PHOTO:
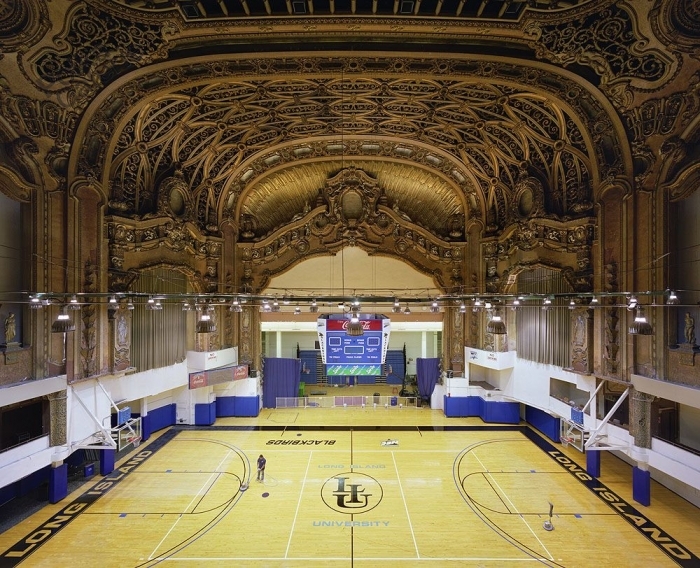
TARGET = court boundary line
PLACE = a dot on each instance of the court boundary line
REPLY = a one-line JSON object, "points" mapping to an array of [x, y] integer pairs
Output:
{"points": [[208, 483], [405, 505], [296, 512], [486, 470], [29, 544], [649, 530]]}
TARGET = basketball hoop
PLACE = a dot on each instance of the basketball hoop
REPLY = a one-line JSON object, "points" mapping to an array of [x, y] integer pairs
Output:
{"points": [[565, 441]]}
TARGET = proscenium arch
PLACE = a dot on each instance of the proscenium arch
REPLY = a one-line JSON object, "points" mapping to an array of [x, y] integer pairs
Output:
{"points": [[366, 221], [112, 110]]}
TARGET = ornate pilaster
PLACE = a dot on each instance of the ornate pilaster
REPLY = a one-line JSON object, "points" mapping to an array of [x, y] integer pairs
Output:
{"points": [[249, 333], [120, 338], [453, 343], [57, 418], [582, 340], [640, 418]]}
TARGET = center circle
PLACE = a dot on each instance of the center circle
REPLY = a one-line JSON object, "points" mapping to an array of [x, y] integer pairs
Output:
{"points": [[351, 493]]}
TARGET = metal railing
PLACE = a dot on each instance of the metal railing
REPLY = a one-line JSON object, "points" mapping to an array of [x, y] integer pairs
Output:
{"points": [[370, 401]]}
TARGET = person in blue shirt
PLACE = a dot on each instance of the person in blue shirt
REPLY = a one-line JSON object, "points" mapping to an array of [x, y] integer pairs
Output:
{"points": [[261, 468]]}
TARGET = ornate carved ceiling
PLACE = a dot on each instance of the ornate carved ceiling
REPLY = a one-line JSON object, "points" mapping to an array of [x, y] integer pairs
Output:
{"points": [[238, 112], [444, 135]]}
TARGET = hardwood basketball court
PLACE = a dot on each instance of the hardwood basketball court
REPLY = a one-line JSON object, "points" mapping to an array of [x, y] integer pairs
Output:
{"points": [[340, 490]]}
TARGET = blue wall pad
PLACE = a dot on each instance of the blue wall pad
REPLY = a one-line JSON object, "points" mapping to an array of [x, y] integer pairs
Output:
{"points": [[106, 461], [543, 421], [488, 411], [641, 486], [205, 414], [593, 463], [225, 406], [58, 483], [247, 406], [163, 417], [146, 428]]}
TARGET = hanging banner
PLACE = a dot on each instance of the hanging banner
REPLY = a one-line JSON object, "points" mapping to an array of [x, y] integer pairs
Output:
{"points": [[217, 376]]}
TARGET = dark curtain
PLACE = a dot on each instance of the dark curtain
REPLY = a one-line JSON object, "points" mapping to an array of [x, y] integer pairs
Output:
{"points": [[428, 371], [280, 379]]}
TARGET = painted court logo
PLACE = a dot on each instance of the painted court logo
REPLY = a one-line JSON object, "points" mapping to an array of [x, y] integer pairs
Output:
{"points": [[351, 493]]}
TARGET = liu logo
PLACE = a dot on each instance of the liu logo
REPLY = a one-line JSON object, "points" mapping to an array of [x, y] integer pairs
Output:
{"points": [[351, 493]]}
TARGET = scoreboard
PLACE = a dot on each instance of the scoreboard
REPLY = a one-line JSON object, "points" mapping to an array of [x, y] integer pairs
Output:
{"points": [[346, 354]]}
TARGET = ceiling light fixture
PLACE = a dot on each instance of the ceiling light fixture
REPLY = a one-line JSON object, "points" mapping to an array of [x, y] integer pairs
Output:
{"points": [[63, 323], [205, 324], [640, 326], [496, 325], [355, 327]]}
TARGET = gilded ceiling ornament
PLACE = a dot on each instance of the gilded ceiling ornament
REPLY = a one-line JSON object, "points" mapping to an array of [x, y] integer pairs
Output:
{"points": [[22, 23], [609, 42]]}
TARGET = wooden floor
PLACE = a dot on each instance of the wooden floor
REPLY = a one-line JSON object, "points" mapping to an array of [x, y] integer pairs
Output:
{"points": [[357, 487]]}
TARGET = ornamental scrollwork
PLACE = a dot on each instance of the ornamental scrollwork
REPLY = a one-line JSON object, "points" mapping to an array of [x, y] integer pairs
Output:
{"points": [[94, 42], [608, 42]]}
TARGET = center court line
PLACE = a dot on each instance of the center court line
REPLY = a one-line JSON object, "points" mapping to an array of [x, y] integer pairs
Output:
{"points": [[408, 516], [514, 507], [301, 495], [216, 472]]}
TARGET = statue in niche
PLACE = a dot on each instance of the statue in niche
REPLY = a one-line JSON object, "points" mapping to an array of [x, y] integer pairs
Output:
{"points": [[10, 327], [689, 329], [579, 330]]}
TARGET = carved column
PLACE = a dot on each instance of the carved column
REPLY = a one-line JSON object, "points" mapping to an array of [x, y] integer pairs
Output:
{"points": [[640, 418], [453, 339], [581, 340], [249, 336], [57, 418], [120, 338]]}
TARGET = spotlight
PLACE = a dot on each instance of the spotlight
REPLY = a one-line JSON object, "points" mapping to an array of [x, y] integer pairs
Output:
{"points": [[130, 305], [594, 302], [397, 307], [355, 327], [205, 324], [462, 308], [73, 304], [313, 308], [632, 303], [640, 326], [496, 325], [407, 311], [434, 307], [35, 303], [672, 298], [63, 323], [297, 311]]}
